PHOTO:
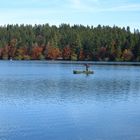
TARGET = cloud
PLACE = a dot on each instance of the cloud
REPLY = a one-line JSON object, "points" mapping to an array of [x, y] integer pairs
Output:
{"points": [[98, 7], [72, 5], [127, 7], [76, 3], [82, 4], [85, 12]]}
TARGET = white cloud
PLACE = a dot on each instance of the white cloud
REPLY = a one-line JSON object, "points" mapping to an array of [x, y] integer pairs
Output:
{"points": [[76, 2], [82, 4], [127, 7], [97, 7], [70, 11]]}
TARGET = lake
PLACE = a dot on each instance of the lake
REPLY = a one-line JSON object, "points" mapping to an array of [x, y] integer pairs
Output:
{"points": [[46, 101]]}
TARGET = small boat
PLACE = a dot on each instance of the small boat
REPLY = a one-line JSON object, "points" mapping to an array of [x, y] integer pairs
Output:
{"points": [[87, 71], [82, 72]]}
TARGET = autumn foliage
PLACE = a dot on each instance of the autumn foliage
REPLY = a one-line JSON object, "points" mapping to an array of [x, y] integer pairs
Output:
{"points": [[66, 53], [77, 42], [53, 53], [36, 52]]}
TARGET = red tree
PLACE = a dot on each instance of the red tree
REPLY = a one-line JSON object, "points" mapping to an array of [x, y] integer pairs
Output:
{"points": [[66, 53]]}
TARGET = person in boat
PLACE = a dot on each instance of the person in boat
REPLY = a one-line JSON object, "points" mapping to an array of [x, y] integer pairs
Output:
{"points": [[87, 66]]}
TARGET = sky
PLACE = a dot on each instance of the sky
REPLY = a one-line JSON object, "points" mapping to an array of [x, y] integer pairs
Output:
{"points": [[120, 13]]}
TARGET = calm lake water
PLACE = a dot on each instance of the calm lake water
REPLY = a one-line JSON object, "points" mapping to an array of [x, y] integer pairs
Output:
{"points": [[43, 101]]}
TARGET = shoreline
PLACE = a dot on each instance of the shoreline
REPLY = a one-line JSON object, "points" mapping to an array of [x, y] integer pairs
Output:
{"points": [[96, 63], [78, 62]]}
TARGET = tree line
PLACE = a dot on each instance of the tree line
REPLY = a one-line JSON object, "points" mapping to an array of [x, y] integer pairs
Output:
{"points": [[77, 42]]}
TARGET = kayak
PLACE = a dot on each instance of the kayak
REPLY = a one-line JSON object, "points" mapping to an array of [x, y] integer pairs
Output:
{"points": [[82, 72]]}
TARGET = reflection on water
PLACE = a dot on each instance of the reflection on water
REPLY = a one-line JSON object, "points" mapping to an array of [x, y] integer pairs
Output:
{"points": [[46, 101]]}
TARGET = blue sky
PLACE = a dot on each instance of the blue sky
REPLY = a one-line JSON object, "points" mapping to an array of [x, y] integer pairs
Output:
{"points": [[87, 12]]}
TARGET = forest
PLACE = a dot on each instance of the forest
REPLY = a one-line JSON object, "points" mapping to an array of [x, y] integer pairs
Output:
{"points": [[65, 42]]}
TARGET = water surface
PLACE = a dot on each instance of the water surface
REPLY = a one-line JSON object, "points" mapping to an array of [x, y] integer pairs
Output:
{"points": [[45, 101]]}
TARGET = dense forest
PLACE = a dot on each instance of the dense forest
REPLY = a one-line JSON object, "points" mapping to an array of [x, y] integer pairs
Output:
{"points": [[77, 42]]}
